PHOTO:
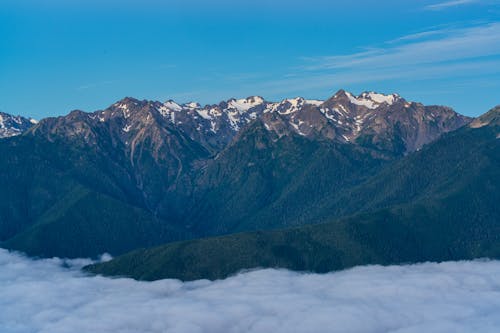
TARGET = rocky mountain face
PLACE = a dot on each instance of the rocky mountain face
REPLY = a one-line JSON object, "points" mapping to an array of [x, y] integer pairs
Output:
{"points": [[389, 121], [437, 204], [490, 119], [385, 122], [179, 171], [14, 125], [148, 154]]}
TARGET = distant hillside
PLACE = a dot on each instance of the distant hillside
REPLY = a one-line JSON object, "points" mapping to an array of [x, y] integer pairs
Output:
{"points": [[440, 203], [143, 173]]}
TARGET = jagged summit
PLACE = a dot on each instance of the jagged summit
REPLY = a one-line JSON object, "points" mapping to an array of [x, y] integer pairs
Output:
{"points": [[14, 125], [368, 99], [490, 118], [129, 99], [388, 122], [245, 104], [255, 105], [379, 98], [192, 105]]}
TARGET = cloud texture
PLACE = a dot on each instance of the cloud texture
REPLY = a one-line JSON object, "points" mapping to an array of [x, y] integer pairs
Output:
{"points": [[449, 4], [54, 296]]}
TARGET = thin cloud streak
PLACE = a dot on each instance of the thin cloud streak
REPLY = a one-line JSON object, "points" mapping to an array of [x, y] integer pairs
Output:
{"points": [[448, 4], [461, 44], [460, 54], [421, 35], [467, 70]]}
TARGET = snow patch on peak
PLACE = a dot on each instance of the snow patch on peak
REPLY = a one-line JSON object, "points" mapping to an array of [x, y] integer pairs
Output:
{"points": [[297, 128], [372, 100], [361, 101], [245, 104], [297, 101], [192, 105], [380, 98], [122, 106], [234, 118], [171, 105], [13, 125], [286, 106], [291, 105], [204, 113]]}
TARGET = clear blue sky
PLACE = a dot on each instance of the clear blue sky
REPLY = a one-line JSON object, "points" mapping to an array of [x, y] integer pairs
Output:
{"points": [[59, 55]]}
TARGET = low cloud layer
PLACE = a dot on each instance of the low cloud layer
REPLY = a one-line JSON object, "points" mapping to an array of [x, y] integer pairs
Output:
{"points": [[54, 296]]}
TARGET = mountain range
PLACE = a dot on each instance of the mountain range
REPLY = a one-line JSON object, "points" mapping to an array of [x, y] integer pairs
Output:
{"points": [[441, 203], [357, 179]]}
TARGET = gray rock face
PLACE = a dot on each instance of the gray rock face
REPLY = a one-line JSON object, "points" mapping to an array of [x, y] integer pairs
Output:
{"points": [[383, 122]]}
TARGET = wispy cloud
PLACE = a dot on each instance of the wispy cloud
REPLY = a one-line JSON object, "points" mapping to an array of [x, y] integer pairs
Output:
{"points": [[433, 32], [456, 45], [448, 4], [434, 54], [42, 296]]}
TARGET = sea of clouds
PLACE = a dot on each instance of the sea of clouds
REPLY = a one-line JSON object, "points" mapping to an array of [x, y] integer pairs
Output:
{"points": [[52, 296]]}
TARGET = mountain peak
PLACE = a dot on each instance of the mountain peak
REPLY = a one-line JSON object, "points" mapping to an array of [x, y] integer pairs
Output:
{"points": [[255, 99], [172, 105], [245, 104], [128, 107], [368, 99], [344, 117], [372, 100], [490, 118], [379, 98], [295, 101], [192, 105], [128, 100], [340, 93], [14, 125]]}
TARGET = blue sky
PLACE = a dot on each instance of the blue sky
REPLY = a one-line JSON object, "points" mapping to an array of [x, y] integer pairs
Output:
{"points": [[58, 55]]}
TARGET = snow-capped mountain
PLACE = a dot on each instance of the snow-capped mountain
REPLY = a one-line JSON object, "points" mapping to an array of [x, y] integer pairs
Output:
{"points": [[140, 173], [14, 125], [377, 120], [385, 122]]}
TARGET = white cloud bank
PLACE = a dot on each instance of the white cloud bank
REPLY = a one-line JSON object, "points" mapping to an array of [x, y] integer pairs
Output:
{"points": [[43, 296]]}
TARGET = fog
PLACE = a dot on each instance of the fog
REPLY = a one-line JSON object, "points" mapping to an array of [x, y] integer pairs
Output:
{"points": [[52, 296]]}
